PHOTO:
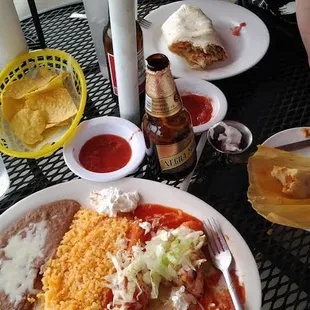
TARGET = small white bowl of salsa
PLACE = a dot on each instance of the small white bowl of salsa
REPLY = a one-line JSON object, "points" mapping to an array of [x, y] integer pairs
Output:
{"points": [[105, 149], [205, 102]]}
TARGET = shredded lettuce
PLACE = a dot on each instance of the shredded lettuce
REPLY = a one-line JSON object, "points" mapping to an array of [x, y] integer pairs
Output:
{"points": [[168, 253]]}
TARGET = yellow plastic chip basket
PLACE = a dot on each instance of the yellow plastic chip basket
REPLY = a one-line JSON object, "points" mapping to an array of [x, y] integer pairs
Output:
{"points": [[57, 61]]}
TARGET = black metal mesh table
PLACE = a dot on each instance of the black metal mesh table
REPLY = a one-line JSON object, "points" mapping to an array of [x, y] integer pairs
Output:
{"points": [[272, 96]]}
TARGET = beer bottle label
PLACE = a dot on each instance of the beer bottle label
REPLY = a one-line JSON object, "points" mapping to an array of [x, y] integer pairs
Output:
{"points": [[174, 155], [141, 72], [163, 107]]}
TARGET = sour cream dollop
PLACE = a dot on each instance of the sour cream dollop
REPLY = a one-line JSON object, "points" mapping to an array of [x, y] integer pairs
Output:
{"points": [[230, 138], [111, 200]]}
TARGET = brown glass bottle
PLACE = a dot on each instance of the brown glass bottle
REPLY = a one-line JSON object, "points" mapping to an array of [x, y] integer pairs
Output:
{"points": [[107, 41], [167, 126]]}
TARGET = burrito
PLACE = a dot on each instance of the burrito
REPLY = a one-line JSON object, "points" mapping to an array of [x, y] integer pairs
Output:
{"points": [[190, 34]]}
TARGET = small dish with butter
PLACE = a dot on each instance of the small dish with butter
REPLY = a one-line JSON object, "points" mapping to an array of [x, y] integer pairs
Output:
{"points": [[230, 137], [105, 149]]}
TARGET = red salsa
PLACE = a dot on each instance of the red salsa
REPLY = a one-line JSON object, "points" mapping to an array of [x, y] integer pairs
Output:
{"points": [[199, 107], [236, 31], [105, 153]]}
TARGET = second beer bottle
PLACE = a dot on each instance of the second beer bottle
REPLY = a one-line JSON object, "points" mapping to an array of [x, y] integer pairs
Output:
{"points": [[107, 41], [167, 126]]}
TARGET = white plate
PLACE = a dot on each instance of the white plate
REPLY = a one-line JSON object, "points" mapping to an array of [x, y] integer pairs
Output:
{"points": [[288, 136], [244, 51], [204, 88], [79, 190]]}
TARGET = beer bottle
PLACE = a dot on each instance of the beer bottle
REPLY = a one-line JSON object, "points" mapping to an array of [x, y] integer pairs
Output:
{"points": [[167, 126], [107, 41]]}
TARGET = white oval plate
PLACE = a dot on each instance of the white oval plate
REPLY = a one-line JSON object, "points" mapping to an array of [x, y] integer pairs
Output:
{"points": [[79, 190], [244, 51], [288, 136], [207, 89]]}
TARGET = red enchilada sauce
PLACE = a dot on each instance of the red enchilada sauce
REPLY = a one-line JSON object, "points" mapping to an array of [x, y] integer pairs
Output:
{"points": [[105, 153], [215, 295], [199, 107], [220, 299]]}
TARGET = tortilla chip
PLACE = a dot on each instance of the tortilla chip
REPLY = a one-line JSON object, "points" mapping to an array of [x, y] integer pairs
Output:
{"points": [[64, 123], [56, 82], [18, 89], [11, 106], [29, 125], [13, 96], [40, 83], [50, 131], [265, 192], [57, 103], [45, 72]]}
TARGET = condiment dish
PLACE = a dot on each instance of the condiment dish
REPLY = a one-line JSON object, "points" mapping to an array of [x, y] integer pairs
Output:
{"points": [[106, 125], [205, 89], [217, 129]]}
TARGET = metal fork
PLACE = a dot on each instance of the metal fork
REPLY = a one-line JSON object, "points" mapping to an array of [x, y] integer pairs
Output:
{"points": [[221, 257], [145, 23]]}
